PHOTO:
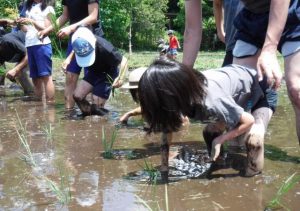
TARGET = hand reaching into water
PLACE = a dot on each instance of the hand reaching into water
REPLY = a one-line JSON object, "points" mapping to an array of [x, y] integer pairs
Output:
{"points": [[216, 147]]}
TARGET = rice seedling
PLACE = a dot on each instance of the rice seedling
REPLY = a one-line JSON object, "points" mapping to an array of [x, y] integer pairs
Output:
{"points": [[48, 131], [23, 138], [166, 197], [108, 144], [287, 185], [62, 190], [2, 70], [151, 171], [56, 43], [148, 207]]}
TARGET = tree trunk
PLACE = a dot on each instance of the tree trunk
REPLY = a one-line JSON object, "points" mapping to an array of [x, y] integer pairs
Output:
{"points": [[129, 40]]}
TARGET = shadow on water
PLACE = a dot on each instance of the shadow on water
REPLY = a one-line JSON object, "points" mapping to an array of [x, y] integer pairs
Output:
{"points": [[276, 154]]}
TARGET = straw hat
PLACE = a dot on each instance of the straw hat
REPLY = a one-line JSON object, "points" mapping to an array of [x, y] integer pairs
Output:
{"points": [[134, 78]]}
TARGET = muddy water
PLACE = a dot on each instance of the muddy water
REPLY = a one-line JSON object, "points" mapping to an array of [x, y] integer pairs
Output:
{"points": [[70, 156]]}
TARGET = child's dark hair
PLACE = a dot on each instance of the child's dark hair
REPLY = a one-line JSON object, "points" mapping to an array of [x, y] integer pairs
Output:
{"points": [[134, 95], [44, 4], [167, 91]]}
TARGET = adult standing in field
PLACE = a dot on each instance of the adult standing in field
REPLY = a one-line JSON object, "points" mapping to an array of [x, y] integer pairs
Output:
{"points": [[77, 13], [262, 28], [173, 45], [225, 12], [13, 50]]}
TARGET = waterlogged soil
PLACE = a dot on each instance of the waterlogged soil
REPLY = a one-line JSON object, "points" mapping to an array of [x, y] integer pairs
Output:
{"points": [[60, 164]]}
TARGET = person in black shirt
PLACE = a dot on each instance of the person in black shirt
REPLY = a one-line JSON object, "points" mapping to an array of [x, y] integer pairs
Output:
{"points": [[12, 49], [102, 60], [77, 13]]}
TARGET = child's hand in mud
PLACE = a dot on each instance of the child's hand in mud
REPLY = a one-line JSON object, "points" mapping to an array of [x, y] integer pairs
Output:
{"points": [[216, 147]]}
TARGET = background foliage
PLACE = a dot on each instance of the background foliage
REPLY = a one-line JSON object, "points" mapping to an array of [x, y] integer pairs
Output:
{"points": [[145, 19]]}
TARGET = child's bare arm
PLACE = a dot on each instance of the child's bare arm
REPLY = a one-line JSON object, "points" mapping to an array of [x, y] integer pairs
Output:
{"points": [[67, 61], [246, 121]]}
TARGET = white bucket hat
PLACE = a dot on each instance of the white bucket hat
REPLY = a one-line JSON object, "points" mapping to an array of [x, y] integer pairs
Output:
{"points": [[83, 43], [134, 78]]}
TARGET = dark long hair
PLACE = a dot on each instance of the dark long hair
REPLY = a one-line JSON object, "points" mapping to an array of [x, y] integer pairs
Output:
{"points": [[167, 91], [44, 4]]}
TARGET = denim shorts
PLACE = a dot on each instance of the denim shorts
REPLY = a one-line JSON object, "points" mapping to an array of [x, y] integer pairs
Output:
{"points": [[73, 67], [251, 29], [172, 51], [39, 60], [101, 81], [269, 100]]}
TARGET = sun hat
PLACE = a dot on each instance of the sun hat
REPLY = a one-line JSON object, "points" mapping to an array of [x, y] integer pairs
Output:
{"points": [[134, 78], [170, 32], [83, 43]]}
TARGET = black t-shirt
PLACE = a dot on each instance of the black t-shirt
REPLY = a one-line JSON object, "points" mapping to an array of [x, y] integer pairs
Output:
{"points": [[107, 57], [12, 47], [78, 10]]}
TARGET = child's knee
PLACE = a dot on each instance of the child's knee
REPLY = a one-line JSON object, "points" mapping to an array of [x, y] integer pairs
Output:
{"points": [[255, 139]]}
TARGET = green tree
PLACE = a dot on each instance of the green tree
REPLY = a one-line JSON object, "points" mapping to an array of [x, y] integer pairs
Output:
{"points": [[142, 22], [208, 24]]}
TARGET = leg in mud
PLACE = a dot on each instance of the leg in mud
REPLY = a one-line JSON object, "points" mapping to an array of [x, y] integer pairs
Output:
{"points": [[210, 132], [79, 96], [255, 142], [166, 140], [25, 82], [2, 80], [82, 90]]}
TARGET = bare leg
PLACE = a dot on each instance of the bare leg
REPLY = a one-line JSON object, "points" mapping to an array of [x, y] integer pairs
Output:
{"points": [[38, 87], [292, 76], [2, 80], [25, 81], [71, 82], [86, 108], [166, 140], [255, 141], [99, 101], [49, 89]]}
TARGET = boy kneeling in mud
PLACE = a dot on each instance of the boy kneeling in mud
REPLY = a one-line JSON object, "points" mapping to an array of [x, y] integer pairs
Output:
{"points": [[219, 97], [102, 60]]}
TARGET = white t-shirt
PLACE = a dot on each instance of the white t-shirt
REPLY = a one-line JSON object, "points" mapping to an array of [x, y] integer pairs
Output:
{"points": [[39, 16]]}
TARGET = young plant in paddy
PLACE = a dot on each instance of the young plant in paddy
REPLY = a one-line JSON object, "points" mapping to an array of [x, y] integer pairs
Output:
{"points": [[56, 43], [151, 171], [108, 144], [287, 185]]}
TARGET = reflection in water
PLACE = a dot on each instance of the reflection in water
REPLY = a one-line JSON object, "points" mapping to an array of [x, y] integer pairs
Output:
{"points": [[121, 195], [87, 188]]}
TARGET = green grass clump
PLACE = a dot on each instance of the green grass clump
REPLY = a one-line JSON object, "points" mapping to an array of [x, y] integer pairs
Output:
{"points": [[288, 184], [108, 144], [151, 170]]}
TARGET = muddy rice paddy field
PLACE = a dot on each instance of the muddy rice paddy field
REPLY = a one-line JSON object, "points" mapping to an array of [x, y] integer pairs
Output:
{"points": [[49, 162]]}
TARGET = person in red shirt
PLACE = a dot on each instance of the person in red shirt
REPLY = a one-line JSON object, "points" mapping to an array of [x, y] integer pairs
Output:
{"points": [[173, 45]]}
